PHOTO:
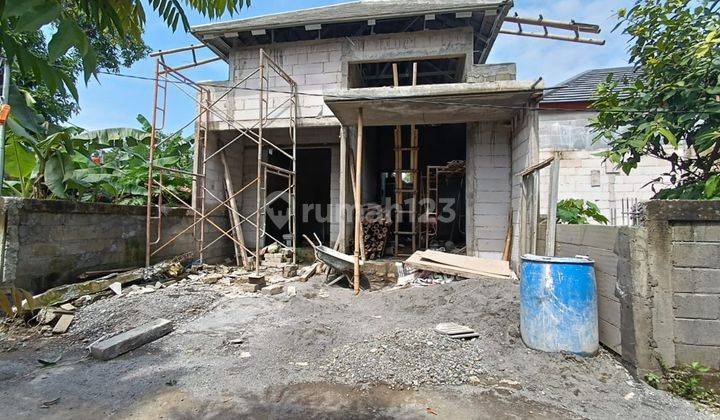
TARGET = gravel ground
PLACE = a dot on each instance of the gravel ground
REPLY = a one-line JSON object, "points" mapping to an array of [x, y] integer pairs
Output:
{"points": [[322, 353]]}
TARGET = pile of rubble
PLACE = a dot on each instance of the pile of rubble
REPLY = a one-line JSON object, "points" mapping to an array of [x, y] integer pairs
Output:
{"points": [[54, 311]]}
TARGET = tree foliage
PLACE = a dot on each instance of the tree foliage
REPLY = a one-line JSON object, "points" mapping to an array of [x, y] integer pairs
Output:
{"points": [[58, 106], [107, 165], [579, 212], [671, 110], [81, 27]]}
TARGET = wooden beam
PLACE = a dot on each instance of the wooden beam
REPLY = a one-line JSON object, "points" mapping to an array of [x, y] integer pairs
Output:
{"points": [[342, 216], [240, 252], [358, 202], [552, 206]]}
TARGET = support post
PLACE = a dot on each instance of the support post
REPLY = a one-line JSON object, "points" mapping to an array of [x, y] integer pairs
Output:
{"points": [[342, 210], [358, 201], [260, 185], [240, 253], [552, 206]]}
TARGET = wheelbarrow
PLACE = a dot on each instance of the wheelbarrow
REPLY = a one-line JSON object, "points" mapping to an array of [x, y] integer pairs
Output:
{"points": [[341, 265]]}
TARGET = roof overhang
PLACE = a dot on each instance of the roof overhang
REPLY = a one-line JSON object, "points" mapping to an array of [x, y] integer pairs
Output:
{"points": [[434, 104], [360, 18]]}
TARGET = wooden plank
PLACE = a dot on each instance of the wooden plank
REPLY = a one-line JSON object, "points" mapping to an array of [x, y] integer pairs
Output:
{"points": [[603, 237], [469, 263], [415, 261], [63, 324], [240, 252], [358, 202], [341, 243], [610, 336], [538, 166], [130, 340], [551, 223], [609, 310]]}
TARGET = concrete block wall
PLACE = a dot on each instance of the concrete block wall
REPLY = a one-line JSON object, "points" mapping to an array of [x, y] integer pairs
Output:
{"points": [[242, 162], [583, 174], [597, 242], [484, 73], [321, 67], [668, 286], [49, 243], [487, 189], [696, 291]]}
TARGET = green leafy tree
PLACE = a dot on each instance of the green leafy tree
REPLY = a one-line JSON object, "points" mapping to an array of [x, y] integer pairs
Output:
{"points": [[671, 110], [58, 106], [81, 29], [108, 165], [579, 212]]}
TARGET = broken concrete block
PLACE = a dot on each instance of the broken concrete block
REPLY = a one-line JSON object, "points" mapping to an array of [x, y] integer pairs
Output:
{"points": [[212, 278], [290, 271], [256, 279], [250, 288], [116, 287], [46, 316], [277, 258], [275, 289], [68, 307], [291, 291], [63, 324], [130, 340]]}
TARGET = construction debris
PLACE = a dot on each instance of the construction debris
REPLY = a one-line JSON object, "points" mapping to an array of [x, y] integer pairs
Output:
{"points": [[459, 265], [308, 271], [272, 290], [375, 231], [130, 340], [456, 331], [68, 292], [116, 288], [63, 324]]}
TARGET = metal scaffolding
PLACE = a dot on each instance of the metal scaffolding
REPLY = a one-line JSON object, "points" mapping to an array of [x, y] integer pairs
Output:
{"points": [[280, 110]]}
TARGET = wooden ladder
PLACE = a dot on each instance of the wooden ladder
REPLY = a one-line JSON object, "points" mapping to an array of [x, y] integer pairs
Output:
{"points": [[406, 192]]}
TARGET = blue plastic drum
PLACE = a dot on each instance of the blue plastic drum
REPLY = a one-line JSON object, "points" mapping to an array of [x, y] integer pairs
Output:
{"points": [[558, 305]]}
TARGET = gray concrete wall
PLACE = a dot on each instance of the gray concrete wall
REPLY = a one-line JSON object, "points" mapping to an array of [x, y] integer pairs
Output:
{"points": [[597, 242], [668, 285], [48, 243], [487, 189], [585, 175], [322, 67]]}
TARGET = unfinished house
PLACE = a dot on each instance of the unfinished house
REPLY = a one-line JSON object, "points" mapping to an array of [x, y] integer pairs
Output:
{"points": [[383, 106], [565, 115]]}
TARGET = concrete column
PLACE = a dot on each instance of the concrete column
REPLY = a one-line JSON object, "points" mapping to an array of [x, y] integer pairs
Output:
{"points": [[635, 297], [342, 205]]}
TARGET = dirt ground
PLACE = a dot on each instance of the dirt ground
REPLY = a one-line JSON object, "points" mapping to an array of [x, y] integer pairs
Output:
{"points": [[322, 353]]}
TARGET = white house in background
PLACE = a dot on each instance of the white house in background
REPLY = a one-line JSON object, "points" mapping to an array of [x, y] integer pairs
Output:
{"points": [[564, 127]]}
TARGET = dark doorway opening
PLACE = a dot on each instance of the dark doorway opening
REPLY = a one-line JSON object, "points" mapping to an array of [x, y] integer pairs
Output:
{"points": [[312, 204]]}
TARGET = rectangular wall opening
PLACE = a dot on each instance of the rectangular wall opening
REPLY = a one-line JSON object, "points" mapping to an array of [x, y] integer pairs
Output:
{"points": [[312, 204], [438, 145], [429, 72]]}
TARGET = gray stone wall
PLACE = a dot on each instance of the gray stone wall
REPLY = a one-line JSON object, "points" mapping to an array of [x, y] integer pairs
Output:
{"points": [[669, 285], [48, 243]]}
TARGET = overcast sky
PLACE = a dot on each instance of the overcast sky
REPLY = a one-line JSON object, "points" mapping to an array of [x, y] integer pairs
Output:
{"points": [[115, 101]]}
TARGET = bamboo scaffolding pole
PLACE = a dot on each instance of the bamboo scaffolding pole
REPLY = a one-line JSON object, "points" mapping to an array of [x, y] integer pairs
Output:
{"points": [[358, 203]]}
